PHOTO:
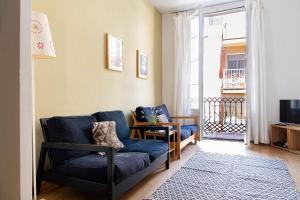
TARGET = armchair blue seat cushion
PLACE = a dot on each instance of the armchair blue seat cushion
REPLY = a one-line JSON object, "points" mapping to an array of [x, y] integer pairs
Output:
{"points": [[155, 148], [73, 129], [122, 127], [93, 167], [186, 131], [193, 128]]}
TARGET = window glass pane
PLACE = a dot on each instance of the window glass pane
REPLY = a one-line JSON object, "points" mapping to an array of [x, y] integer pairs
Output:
{"points": [[195, 48], [194, 96], [195, 72], [231, 64], [241, 64], [236, 61], [195, 26], [206, 24]]}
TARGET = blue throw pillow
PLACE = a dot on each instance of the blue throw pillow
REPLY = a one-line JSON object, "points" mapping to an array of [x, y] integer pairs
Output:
{"points": [[162, 109], [143, 113]]}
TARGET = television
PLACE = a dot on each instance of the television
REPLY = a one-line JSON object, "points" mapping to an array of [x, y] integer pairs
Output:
{"points": [[290, 111]]}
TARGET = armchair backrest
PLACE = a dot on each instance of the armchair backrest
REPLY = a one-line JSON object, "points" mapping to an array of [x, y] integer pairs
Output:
{"points": [[134, 119]]}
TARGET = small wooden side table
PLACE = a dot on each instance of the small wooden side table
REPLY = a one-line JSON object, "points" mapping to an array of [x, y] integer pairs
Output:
{"points": [[162, 134]]}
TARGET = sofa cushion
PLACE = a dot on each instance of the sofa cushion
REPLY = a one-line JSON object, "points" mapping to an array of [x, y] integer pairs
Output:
{"points": [[93, 167], [162, 109], [73, 129], [122, 127], [155, 148], [142, 113]]}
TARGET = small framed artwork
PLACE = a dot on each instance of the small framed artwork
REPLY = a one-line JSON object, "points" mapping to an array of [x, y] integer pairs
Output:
{"points": [[114, 53], [142, 64]]}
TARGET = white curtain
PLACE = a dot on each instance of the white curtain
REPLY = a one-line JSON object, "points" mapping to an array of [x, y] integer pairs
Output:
{"points": [[168, 60], [176, 66], [182, 68], [257, 130]]}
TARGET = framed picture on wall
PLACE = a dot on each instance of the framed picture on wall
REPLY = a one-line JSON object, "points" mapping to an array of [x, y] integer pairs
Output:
{"points": [[142, 64], [114, 53]]}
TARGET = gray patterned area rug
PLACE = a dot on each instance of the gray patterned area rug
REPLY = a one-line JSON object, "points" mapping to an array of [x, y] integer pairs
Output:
{"points": [[213, 176]]}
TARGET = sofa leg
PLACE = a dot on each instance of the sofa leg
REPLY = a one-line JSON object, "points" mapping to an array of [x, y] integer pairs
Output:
{"points": [[40, 170], [168, 161], [112, 195], [178, 153]]}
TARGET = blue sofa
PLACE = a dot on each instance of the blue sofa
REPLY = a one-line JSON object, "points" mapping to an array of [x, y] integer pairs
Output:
{"points": [[74, 160]]}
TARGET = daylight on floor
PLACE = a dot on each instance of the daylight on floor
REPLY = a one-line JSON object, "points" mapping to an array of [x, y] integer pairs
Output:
{"points": [[149, 100]]}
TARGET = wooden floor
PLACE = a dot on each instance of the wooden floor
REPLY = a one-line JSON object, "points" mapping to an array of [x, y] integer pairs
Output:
{"points": [[149, 184]]}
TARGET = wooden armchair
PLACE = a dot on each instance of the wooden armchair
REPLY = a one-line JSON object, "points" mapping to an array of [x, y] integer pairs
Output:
{"points": [[179, 142]]}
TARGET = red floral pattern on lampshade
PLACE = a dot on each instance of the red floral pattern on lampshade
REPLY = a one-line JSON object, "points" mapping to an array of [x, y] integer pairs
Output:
{"points": [[42, 44]]}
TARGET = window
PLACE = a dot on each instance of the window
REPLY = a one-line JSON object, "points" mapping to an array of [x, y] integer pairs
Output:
{"points": [[215, 20], [236, 61], [194, 63]]}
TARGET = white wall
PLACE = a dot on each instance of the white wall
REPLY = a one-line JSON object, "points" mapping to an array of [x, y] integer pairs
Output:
{"points": [[282, 40]]}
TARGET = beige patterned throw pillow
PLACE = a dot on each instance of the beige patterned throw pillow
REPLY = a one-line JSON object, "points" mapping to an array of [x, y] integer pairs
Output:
{"points": [[104, 133]]}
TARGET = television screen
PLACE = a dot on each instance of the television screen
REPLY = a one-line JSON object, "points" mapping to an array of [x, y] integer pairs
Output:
{"points": [[290, 111]]}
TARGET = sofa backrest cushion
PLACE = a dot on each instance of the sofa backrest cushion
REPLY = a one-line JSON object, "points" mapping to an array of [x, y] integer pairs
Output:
{"points": [[162, 109], [142, 113], [122, 128], [72, 129]]}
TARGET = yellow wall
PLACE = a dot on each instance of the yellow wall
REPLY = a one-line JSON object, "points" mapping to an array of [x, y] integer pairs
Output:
{"points": [[76, 81]]}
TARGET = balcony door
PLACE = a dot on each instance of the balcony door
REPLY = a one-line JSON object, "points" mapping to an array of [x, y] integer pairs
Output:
{"points": [[223, 77]]}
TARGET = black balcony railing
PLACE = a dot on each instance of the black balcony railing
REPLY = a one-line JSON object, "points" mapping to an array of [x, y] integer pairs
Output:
{"points": [[224, 115]]}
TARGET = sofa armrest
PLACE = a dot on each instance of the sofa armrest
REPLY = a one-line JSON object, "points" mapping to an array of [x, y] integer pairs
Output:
{"points": [[78, 147], [109, 151]]}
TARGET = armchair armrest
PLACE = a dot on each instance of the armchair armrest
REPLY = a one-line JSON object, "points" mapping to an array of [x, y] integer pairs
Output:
{"points": [[153, 128], [185, 117], [150, 127], [139, 124], [195, 118]]}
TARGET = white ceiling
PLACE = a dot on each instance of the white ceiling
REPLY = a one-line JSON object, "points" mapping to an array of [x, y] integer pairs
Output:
{"points": [[167, 6]]}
